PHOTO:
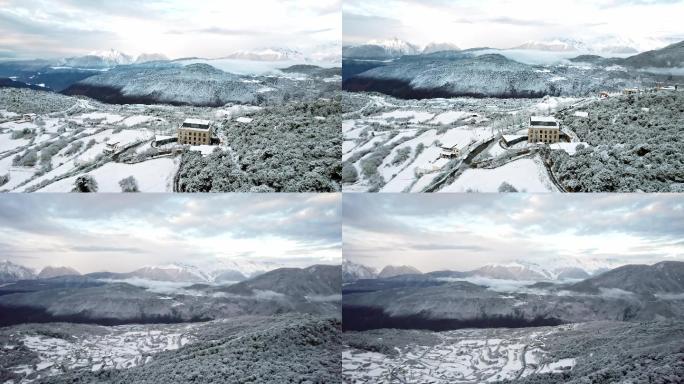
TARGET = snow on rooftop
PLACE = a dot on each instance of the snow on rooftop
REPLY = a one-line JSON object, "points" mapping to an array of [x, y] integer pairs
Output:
{"points": [[197, 121], [545, 119]]}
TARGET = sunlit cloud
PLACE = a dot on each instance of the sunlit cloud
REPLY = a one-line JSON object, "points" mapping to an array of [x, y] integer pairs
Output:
{"points": [[467, 231], [121, 233], [176, 28], [509, 23]]}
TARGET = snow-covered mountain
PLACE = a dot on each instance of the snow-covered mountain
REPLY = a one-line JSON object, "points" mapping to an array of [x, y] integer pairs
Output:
{"points": [[268, 54], [397, 46], [392, 271], [352, 271], [440, 47], [147, 57], [172, 273], [12, 272], [248, 268], [99, 59], [568, 268], [110, 58], [221, 272], [380, 49], [605, 45], [555, 45], [50, 272]]}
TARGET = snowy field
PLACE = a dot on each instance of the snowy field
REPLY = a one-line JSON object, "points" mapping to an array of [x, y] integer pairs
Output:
{"points": [[393, 145], [463, 356], [96, 348], [525, 175]]}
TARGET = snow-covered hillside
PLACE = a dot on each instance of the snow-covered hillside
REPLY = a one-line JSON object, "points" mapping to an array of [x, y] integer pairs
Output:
{"points": [[352, 271], [12, 272]]}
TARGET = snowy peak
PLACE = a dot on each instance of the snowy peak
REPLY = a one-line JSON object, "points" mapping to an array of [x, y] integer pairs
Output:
{"points": [[148, 57], [50, 272], [512, 271], [605, 45], [528, 271], [221, 272], [440, 47], [555, 45], [392, 271], [352, 271], [380, 49], [99, 59], [171, 273], [10, 272], [268, 54], [113, 56], [396, 45]]}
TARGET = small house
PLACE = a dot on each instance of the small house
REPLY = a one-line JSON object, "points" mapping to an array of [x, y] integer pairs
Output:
{"points": [[450, 152], [29, 117], [111, 148]]}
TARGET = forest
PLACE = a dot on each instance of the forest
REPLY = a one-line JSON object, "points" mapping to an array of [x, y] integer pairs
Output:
{"points": [[635, 144], [291, 148]]}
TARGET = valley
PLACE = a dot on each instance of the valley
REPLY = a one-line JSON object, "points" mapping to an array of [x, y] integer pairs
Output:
{"points": [[118, 131], [104, 326], [513, 324], [65, 353], [575, 353]]}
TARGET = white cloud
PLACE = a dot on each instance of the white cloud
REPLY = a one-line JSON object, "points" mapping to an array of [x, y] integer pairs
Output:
{"points": [[177, 28], [508, 23]]}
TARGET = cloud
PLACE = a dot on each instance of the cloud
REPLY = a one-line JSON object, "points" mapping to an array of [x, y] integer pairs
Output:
{"points": [[465, 231], [505, 23], [177, 28], [107, 249], [122, 232]]}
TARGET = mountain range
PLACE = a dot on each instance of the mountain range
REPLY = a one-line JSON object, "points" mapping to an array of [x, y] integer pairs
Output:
{"points": [[393, 48], [108, 59], [200, 84], [569, 269], [501, 73], [602, 45], [94, 298], [221, 272], [626, 293]]}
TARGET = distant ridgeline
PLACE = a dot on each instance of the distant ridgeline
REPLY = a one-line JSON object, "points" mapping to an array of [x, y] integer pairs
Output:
{"points": [[490, 73], [443, 301], [108, 299], [170, 82]]}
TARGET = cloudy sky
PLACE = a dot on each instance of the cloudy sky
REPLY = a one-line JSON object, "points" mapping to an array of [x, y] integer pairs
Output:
{"points": [[466, 231], [120, 233], [176, 28], [509, 23]]}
